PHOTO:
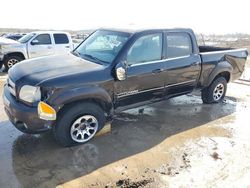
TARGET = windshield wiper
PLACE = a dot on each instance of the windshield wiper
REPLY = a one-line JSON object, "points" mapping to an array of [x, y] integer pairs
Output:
{"points": [[76, 53], [99, 61]]}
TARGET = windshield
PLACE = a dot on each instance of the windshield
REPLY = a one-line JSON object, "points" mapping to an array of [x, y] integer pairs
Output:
{"points": [[102, 46], [26, 38]]}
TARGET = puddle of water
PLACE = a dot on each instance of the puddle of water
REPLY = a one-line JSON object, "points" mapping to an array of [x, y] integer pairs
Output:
{"points": [[146, 110]]}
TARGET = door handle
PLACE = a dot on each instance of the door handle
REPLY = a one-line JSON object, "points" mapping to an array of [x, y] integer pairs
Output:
{"points": [[66, 46], [195, 63], [157, 71], [49, 47]]}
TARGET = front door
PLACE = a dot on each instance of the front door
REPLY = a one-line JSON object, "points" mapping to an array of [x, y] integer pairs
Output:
{"points": [[145, 72], [41, 45]]}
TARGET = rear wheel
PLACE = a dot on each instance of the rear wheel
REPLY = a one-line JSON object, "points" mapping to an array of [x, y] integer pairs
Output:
{"points": [[11, 60], [215, 92], [78, 124]]}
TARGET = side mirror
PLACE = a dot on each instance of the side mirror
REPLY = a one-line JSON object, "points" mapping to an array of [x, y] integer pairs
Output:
{"points": [[121, 71], [34, 42]]}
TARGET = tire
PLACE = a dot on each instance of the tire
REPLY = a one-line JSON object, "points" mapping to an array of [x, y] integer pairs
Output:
{"points": [[9, 61], [209, 94], [78, 119]]}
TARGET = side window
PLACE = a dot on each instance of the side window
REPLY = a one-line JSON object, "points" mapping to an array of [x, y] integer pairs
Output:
{"points": [[146, 48], [178, 45], [61, 38], [43, 39]]}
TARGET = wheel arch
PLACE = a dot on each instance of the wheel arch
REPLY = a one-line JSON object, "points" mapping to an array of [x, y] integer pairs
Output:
{"points": [[19, 54], [223, 69], [106, 107], [225, 74], [95, 95]]}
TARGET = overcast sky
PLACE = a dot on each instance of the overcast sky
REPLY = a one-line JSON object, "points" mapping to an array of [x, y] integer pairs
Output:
{"points": [[210, 16]]}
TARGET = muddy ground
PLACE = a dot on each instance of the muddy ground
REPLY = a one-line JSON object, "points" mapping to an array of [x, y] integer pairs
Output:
{"points": [[176, 143]]}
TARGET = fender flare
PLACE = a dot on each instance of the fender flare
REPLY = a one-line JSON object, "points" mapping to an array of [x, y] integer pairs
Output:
{"points": [[20, 54], [223, 66], [69, 96]]}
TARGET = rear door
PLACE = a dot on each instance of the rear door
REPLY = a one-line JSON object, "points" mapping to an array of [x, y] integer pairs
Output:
{"points": [[145, 75], [62, 43], [182, 64], [41, 45]]}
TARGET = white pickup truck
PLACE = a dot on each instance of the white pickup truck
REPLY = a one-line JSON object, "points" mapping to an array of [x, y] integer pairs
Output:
{"points": [[35, 44]]}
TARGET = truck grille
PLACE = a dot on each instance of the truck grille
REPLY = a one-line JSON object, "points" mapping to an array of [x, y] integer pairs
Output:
{"points": [[12, 87]]}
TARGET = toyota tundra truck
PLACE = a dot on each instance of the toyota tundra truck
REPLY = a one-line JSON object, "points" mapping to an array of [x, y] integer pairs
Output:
{"points": [[35, 44], [113, 70]]}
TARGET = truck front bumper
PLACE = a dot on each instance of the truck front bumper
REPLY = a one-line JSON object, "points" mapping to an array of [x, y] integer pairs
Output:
{"points": [[24, 118]]}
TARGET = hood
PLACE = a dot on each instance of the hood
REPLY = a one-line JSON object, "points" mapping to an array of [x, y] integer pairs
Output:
{"points": [[37, 70], [7, 41]]}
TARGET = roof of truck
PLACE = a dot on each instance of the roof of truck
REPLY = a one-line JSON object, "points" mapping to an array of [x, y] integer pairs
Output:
{"points": [[132, 31], [50, 32]]}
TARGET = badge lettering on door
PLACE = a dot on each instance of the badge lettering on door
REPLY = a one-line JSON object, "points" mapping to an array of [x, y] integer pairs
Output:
{"points": [[127, 93]]}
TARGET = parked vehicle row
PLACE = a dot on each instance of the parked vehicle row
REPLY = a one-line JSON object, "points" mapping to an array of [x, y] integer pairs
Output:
{"points": [[16, 36], [35, 44], [75, 94]]}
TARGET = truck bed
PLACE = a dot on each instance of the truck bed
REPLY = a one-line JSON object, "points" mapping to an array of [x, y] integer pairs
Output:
{"points": [[216, 58], [204, 49]]}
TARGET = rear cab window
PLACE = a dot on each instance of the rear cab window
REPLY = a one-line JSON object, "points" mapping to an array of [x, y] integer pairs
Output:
{"points": [[145, 49], [61, 38], [178, 45]]}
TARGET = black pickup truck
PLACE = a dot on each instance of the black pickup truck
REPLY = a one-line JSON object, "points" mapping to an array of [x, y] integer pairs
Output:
{"points": [[114, 70]]}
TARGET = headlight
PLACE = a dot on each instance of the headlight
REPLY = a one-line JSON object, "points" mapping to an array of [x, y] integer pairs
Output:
{"points": [[30, 93]]}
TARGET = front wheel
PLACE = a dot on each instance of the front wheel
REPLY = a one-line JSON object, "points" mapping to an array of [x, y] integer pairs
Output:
{"points": [[78, 124], [10, 61], [215, 92]]}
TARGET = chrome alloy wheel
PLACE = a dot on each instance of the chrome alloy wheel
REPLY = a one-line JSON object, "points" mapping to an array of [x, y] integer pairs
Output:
{"points": [[84, 128], [12, 62], [218, 92]]}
